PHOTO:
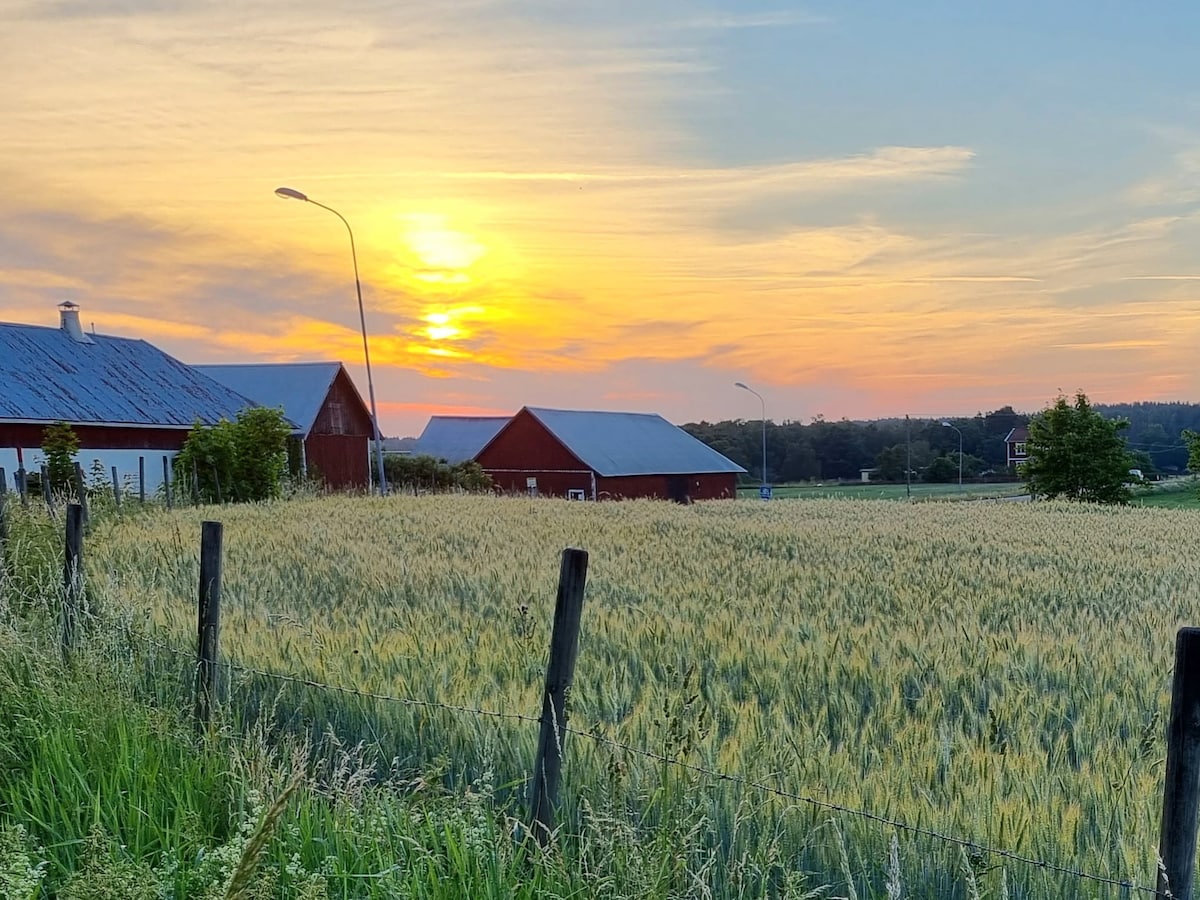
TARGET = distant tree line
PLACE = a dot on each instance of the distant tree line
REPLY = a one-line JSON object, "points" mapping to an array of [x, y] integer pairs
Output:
{"points": [[824, 451]]}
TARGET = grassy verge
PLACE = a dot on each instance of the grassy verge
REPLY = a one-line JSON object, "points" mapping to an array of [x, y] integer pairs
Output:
{"points": [[868, 491]]}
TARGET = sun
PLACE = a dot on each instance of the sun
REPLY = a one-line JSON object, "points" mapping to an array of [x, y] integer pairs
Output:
{"points": [[445, 250]]}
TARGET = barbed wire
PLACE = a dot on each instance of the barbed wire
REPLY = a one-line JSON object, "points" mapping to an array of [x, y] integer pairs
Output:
{"points": [[740, 780], [357, 692]]}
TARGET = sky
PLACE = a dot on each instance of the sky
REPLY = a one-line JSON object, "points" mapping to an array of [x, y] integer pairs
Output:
{"points": [[858, 209]]}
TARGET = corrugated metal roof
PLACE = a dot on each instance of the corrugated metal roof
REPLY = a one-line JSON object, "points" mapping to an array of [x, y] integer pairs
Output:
{"points": [[299, 388], [45, 376], [457, 438], [620, 443]]}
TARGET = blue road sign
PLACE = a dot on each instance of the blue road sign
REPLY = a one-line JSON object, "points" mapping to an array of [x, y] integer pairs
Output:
{"points": [[764, 492]]}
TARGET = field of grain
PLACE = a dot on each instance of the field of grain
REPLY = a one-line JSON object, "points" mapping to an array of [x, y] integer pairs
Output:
{"points": [[997, 672]]}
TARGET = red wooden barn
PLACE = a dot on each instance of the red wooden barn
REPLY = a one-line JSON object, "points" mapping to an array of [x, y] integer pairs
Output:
{"points": [[333, 425], [127, 401], [604, 455]]}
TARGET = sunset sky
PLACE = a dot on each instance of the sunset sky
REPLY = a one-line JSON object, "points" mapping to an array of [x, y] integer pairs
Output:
{"points": [[859, 209]]}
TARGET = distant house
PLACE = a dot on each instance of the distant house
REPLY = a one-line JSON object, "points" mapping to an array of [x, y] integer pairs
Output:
{"points": [[1015, 442], [597, 455], [333, 426], [124, 398], [457, 438]]}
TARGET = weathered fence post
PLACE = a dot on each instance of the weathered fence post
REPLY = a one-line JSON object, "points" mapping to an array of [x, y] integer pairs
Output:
{"points": [[167, 481], [72, 577], [22, 486], [1181, 788], [116, 488], [3, 515], [142, 480], [48, 493], [209, 630], [81, 489], [564, 648]]}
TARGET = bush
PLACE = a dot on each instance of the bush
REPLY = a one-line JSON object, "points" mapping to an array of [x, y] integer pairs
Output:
{"points": [[241, 461], [431, 474]]}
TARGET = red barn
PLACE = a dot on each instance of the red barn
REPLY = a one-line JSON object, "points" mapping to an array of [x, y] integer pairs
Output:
{"points": [[604, 455], [333, 425], [129, 403]]}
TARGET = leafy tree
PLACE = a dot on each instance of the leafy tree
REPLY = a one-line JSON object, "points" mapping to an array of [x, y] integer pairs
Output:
{"points": [[260, 443], [942, 470], [60, 444], [240, 461], [1192, 439], [1074, 452]]}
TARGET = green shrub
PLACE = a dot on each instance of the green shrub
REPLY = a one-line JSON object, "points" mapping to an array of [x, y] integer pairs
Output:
{"points": [[241, 461], [60, 444]]}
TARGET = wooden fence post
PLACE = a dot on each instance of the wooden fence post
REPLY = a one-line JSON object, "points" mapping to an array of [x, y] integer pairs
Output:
{"points": [[72, 578], [167, 481], [564, 648], [81, 488], [209, 631], [142, 480], [22, 486], [3, 515], [1181, 788], [47, 493], [116, 488]]}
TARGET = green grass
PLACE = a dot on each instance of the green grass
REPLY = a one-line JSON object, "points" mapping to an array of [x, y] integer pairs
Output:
{"points": [[1179, 493], [857, 491]]}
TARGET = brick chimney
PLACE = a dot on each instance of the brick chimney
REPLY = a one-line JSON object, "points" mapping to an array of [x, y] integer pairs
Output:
{"points": [[68, 321]]}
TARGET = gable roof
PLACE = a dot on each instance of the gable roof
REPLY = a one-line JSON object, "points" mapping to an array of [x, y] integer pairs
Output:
{"points": [[621, 443], [1018, 434], [47, 376], [298, 388], [458, 438]]}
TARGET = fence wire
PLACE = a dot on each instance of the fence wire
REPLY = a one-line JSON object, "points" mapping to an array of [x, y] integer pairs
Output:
{"points": [[740, 780]]}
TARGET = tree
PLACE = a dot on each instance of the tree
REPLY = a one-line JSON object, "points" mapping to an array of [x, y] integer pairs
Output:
{"points": [[1192, 439], [59, 445], [942, 470], [1076, 453], [245, 460]]}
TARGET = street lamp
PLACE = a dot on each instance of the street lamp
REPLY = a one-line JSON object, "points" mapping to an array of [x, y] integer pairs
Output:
{"points": [[744, 387], [290, 194], [946, 424]]}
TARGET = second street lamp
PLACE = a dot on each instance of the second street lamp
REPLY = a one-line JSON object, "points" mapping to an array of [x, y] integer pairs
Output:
{"points": [[291, 194], [763, 491], [946, 424]]}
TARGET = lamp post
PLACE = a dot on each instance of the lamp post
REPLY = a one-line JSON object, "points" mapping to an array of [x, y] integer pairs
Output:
{"points": [[744, 387], [946, 424], [290, 194]]}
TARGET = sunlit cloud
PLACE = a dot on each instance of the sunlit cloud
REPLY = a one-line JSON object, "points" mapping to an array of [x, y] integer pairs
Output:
{"points": [[538, 206]]}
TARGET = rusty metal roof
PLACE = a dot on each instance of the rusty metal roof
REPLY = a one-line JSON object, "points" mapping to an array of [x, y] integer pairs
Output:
{"points": [[623, 443], [46, 376], [298, 388]]}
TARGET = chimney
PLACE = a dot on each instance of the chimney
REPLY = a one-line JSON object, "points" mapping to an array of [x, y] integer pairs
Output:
{"points": [[69, 322]]}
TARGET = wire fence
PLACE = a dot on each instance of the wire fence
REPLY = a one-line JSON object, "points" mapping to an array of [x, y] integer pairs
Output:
{"points": [[1127, 888]]}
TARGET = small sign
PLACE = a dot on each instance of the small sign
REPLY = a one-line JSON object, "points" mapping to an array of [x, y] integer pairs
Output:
{"points": [[764, 492], [531, 486]]}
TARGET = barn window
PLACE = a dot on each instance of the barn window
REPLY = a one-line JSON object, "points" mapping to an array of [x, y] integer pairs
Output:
{"points": [[575, 494], [1019, 448]]}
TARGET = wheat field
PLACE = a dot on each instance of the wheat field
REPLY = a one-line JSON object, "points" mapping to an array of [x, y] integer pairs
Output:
{"points": [[997, 672]]}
